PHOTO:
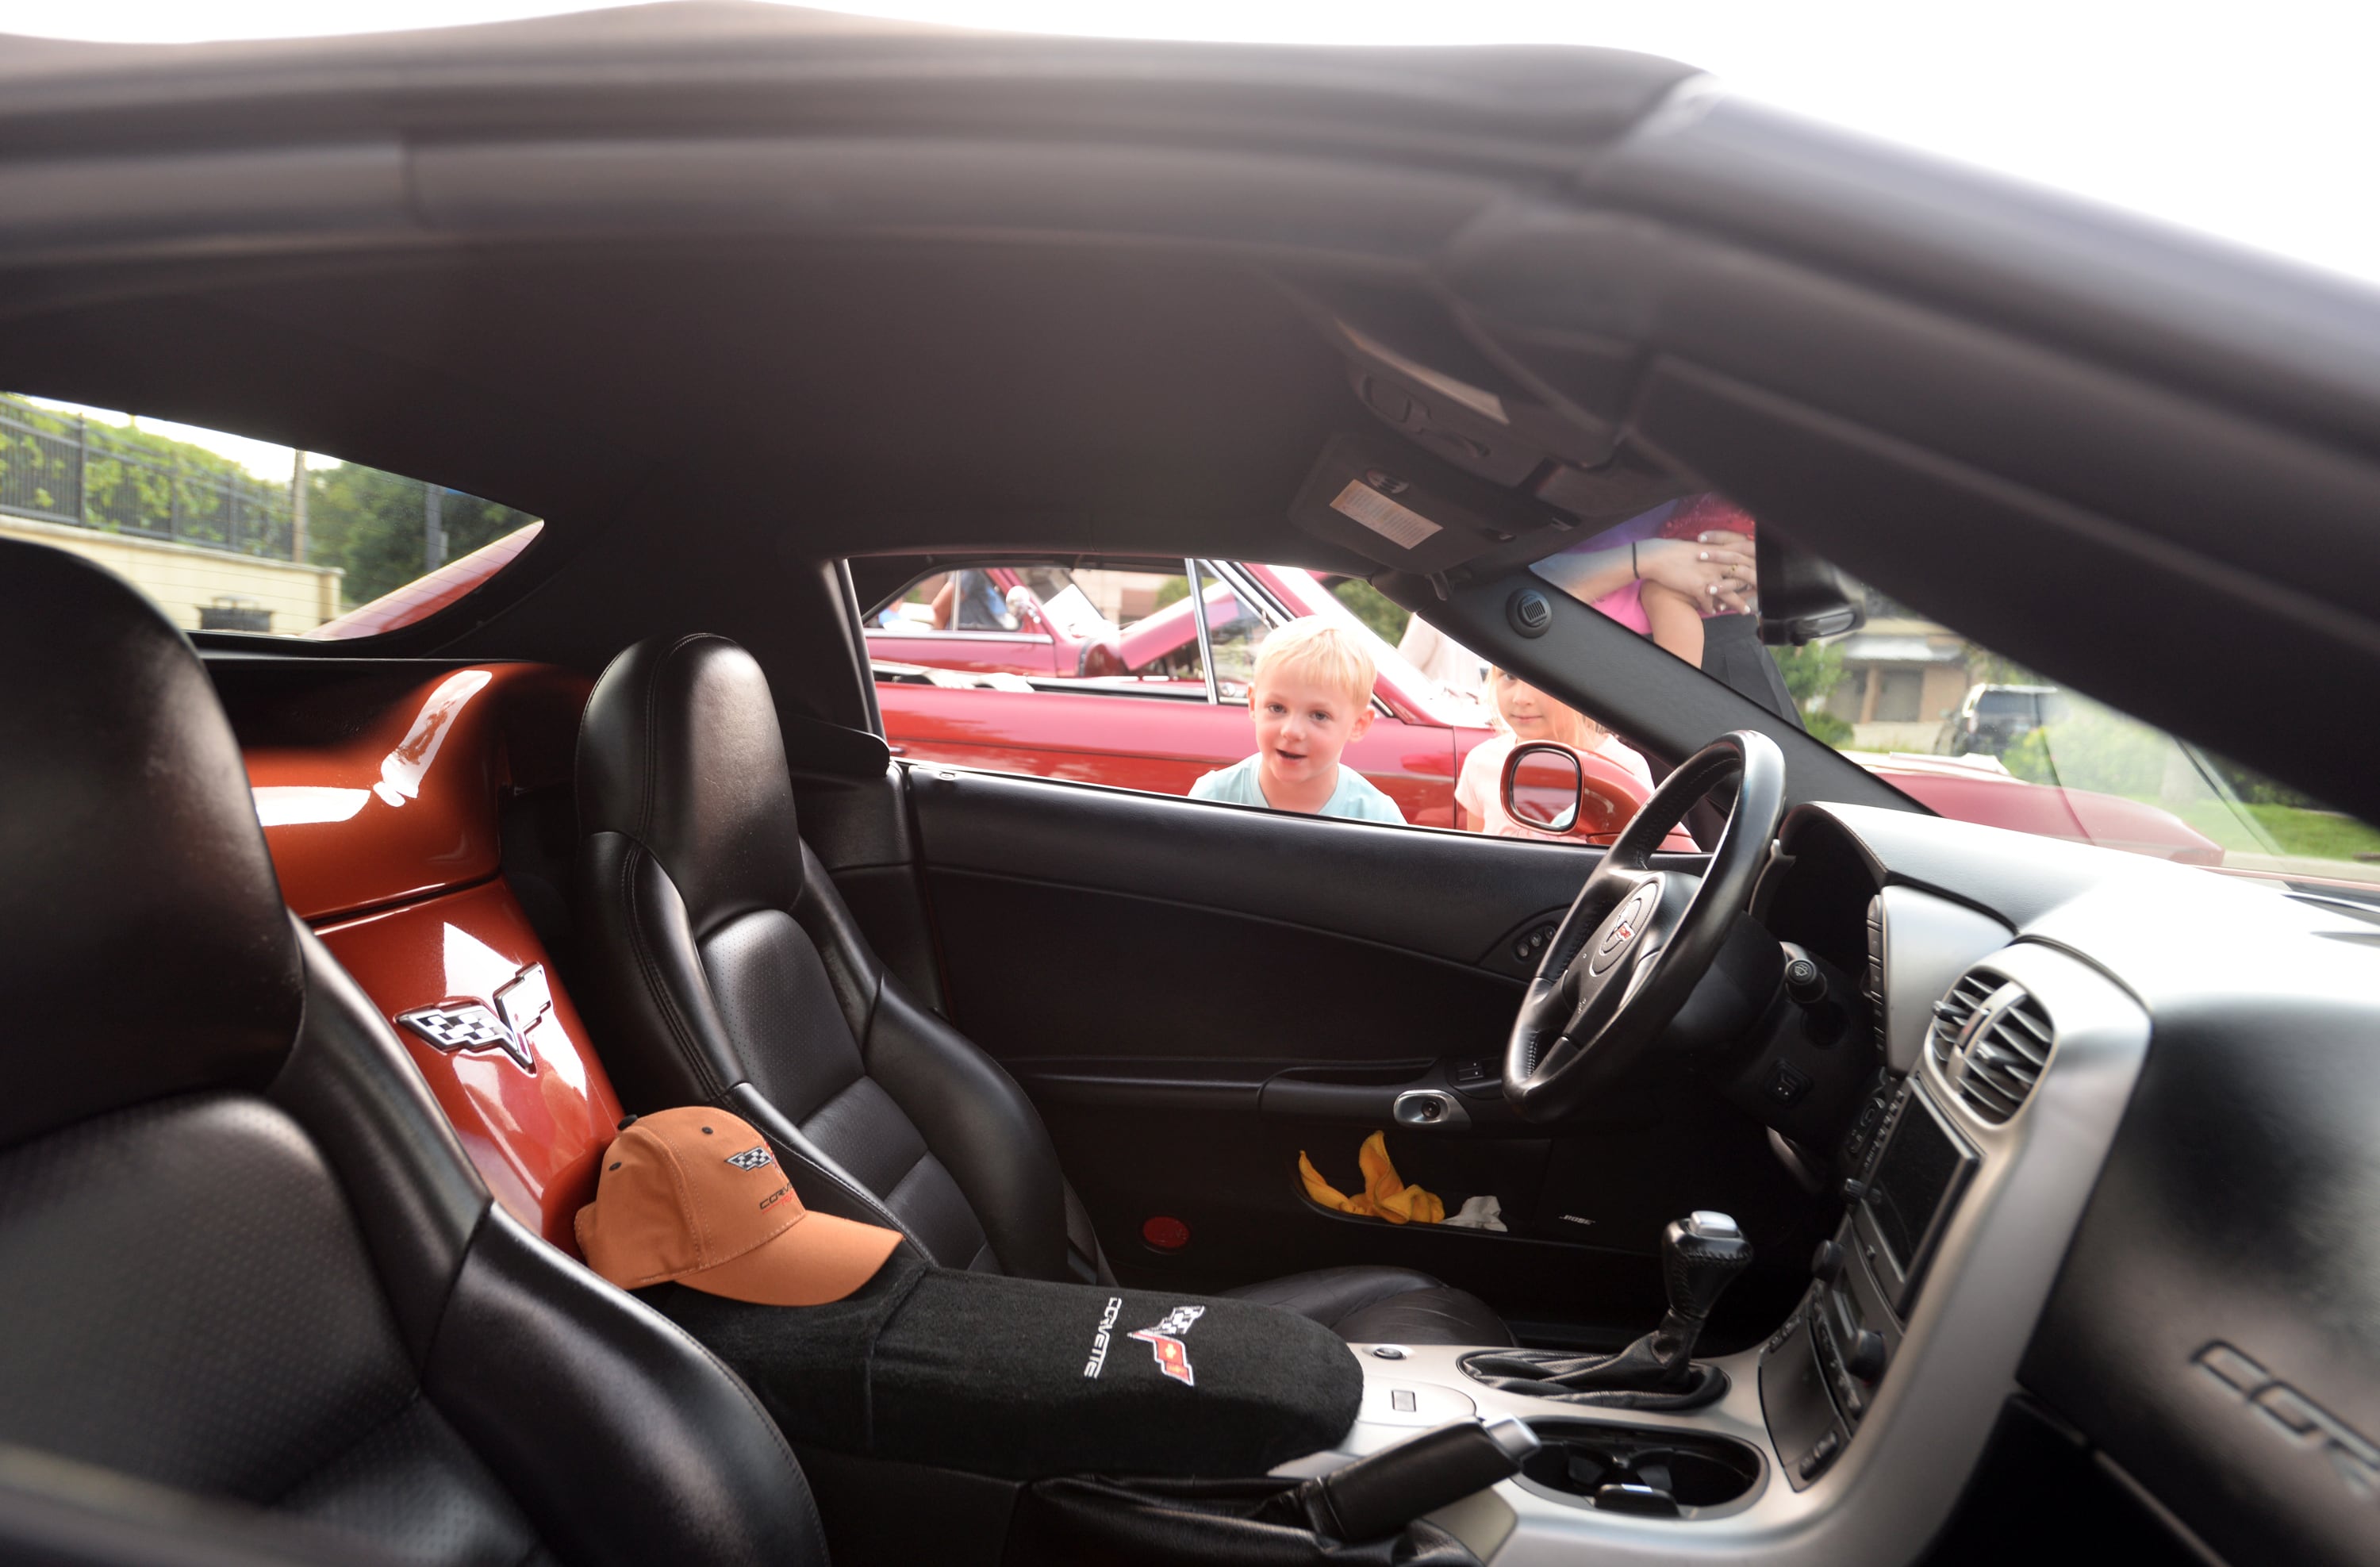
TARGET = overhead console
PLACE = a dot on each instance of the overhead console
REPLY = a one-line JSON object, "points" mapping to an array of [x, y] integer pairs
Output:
{"points": [[1475, 459]]}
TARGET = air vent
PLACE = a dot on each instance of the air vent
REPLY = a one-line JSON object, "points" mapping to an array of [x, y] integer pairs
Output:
{"points": [[1991, 1042], [1951, 1015]]}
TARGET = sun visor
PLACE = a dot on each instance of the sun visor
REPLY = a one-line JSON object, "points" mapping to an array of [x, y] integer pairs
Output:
{"points": [[1392, 503]]}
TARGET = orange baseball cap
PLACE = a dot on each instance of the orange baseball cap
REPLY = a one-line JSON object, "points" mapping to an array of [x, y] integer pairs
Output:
{"points": [[693, 1196]]}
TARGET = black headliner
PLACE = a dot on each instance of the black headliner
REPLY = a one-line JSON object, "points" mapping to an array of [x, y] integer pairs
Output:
{"points": [[725, 291]]}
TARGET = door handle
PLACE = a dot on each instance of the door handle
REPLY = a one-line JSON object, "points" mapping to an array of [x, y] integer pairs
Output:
{"points": [[1422, 1108]]}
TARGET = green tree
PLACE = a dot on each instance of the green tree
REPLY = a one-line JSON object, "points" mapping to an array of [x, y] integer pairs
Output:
{"points": [[1812, 672], [2095, 747], [371, 523], [1374, 608], [133, 481]]}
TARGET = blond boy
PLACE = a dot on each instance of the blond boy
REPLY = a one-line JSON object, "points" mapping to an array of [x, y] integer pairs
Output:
{"points": [[1310, 699]]}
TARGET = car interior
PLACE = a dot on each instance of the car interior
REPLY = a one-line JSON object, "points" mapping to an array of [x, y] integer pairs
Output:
{"points": [[1868, 1187]]}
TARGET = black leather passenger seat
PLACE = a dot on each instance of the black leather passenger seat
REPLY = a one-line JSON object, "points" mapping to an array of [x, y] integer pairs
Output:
{"points": [[720, 965], [241, 1253]]}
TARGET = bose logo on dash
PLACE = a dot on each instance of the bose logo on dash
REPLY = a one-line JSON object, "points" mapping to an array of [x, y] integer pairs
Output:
{"points": [[1099, 1338]]}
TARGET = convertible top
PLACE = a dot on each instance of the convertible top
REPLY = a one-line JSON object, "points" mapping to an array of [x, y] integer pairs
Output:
{"points": [[734, 291]]}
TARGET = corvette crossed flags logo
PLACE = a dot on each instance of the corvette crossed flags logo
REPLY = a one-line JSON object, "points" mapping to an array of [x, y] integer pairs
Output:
{"points": [[524, 1002], [1164, 1340]]}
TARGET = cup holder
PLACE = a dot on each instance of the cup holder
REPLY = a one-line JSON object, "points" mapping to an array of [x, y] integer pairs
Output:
{"points": [[1640, 1470]]}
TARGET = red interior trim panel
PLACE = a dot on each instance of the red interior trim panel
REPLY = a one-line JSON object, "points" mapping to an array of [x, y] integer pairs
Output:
{"points": [[388, 844]]}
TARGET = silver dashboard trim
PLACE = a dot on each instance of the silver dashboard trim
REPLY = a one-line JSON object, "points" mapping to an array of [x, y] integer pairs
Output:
{"points": [[1991, 1273], [1928, 941]]}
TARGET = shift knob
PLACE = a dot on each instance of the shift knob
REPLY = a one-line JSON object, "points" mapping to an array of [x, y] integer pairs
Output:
{"points": [[1701, 1255]]}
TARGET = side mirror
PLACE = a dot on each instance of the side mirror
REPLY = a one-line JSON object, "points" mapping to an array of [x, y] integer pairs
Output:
{"points": [[1542, 786], [1801, 597]]}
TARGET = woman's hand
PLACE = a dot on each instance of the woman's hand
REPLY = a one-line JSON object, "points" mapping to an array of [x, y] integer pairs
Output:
{"points": [[1716, 570]]}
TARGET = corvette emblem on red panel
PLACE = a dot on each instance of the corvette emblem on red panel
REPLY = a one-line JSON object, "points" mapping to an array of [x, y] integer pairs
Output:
{"points": [[522, 1003], [1164, 1340]]}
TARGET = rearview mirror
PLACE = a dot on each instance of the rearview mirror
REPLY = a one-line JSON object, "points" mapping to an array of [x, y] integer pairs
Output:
{"points": [[1542, 786], [1801, 597]]}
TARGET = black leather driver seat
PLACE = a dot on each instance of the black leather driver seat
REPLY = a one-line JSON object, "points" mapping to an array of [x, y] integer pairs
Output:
{"points": [[241, 1253], [721, 966]]}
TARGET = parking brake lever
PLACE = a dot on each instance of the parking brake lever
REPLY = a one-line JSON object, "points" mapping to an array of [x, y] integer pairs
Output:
{"points": [[1382, 1494]]}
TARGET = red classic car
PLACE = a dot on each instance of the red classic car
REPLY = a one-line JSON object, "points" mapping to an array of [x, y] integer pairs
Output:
{"points": [[1062, 692], [1006, 687]]}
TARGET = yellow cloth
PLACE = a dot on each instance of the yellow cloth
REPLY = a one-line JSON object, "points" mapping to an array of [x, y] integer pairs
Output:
{"points": [[1384, 1196]]}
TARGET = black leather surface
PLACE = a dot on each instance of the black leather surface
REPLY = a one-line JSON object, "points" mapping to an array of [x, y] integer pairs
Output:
{"points": [[306, 1301], [1382, 1306], [2217, 1326], [185, 1298], [679, 750], [625, 1440], [417, 1199], [57, 1513], [710, 976], [982, 1127], [639, 980], [718, 982], [121, 982]]}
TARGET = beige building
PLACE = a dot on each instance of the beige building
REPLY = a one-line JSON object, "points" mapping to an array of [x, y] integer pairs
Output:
{"points": [[194, 585], [1904, 678]]}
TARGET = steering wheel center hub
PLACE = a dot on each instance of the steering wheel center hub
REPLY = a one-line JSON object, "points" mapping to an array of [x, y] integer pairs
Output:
{"points": [[1627, 922]]}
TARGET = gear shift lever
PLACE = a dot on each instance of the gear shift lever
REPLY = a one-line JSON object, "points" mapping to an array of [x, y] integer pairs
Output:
{"points": [[1701, 1255]]}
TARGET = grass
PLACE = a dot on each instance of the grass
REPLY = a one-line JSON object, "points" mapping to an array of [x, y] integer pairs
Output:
{"points": [[2314, 834]]}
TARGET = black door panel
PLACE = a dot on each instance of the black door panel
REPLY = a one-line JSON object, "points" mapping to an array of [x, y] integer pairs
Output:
{"points": [[1443, 894], [1034, 969], [1195, 995]]}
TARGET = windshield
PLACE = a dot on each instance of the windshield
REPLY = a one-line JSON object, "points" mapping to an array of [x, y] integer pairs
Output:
{"points": [[1954, 725]]}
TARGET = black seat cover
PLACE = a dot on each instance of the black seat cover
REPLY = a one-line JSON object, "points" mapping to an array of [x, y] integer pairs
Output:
{"points": [[241, 1253], [723, 968]]}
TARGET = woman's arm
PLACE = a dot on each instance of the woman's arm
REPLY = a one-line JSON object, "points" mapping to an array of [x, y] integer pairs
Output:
{"points": [[1677, 622], [1716, 571]]}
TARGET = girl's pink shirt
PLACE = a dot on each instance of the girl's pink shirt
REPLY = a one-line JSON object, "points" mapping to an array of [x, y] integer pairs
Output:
{"points": [[1626, 605]]}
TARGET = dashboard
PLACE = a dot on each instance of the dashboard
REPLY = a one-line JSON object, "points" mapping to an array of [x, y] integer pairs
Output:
{"points": [[2171, 1081], [2116, 1190]]}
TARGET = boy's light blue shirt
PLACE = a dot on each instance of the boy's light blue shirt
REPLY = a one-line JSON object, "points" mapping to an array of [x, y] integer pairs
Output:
{"points": [[1355, 798]]}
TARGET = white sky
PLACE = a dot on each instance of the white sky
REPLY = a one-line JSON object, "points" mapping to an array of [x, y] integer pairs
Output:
{"points": [[2256, 123]]}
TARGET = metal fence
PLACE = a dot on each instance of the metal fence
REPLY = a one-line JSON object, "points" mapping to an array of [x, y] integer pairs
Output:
{"points": [[62, 467]]}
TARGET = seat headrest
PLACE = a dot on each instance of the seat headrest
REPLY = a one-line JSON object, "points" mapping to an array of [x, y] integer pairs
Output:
{"points": [[679, 750], [144, 948]]}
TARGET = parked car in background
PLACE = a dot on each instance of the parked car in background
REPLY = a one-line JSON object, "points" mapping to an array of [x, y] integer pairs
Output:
{"points": [[1993, 718]]}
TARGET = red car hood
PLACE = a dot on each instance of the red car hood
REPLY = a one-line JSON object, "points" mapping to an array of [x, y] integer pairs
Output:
{"points": [[1964, 792]]}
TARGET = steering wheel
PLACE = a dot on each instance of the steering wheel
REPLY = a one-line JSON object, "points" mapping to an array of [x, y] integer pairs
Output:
{"points": [[1637, 939]]}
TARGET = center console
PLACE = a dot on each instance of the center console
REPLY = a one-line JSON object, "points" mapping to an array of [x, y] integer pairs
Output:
{"points": [[1848, 1436], [1823, 1368]]}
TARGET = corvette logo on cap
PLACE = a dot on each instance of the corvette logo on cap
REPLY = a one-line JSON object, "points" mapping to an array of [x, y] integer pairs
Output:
{"points": [[1164, 1340], [752, 1158]]}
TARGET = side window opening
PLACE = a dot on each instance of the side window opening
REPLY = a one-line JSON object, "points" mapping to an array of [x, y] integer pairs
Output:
{"points": [[1139, 674]]}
